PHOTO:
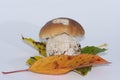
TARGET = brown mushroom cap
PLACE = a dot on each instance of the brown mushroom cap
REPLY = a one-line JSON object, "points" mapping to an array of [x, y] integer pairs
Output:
{"points": [[61, 25]]}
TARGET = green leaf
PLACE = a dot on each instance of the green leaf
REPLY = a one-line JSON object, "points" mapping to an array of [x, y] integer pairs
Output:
{"points": [[92, 50], [83, 71], [89, 50], [31, 60]]}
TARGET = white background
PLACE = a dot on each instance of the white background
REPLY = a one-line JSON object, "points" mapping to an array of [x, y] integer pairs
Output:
{"points": [[100, 19]]}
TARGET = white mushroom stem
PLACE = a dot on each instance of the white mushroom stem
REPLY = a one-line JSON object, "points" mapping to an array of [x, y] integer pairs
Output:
{"points": [[62, 44]]}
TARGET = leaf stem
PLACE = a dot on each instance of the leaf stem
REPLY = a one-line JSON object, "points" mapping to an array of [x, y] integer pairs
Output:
{"points": [[103, 45], [9, 72]]}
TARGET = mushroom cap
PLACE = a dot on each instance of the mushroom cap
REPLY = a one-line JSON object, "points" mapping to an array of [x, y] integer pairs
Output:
{"points": [[60, 26]]}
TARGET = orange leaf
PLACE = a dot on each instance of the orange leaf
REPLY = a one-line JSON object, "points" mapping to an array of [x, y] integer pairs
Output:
{"points": [[60, 64]]}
